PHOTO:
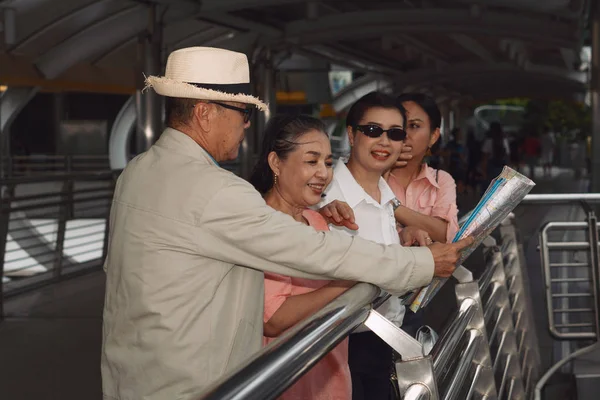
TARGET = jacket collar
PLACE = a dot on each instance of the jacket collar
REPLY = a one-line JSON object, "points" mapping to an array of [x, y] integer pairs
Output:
{"points": [[183, 144]]}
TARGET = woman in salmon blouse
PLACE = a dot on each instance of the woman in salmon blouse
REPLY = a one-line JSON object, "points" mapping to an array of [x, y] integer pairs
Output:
{"points": [[427, 195], [294, 168]]}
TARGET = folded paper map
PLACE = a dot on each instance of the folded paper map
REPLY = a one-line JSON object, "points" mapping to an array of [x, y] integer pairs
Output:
{"points": [[505, 192]]}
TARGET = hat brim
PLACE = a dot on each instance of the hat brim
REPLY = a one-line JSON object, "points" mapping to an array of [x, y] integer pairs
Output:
{"points": [[172, 88]]}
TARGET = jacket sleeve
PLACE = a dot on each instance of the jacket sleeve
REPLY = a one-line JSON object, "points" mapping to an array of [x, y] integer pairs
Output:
{"points": [[237, 226]]}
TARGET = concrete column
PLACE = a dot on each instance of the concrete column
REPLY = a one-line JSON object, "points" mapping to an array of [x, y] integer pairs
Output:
{"points": [[148, 104], [595, 94], [60, 144], [11, 103]]}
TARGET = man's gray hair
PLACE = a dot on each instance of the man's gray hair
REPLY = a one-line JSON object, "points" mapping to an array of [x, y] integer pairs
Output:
{"points": [[179, 111]]}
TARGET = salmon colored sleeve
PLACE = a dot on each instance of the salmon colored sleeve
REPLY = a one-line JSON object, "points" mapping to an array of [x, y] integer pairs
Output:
{"points": [[277, 289], [445, 205]]}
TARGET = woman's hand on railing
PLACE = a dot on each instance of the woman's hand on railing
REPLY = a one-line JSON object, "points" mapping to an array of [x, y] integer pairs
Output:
{"points": [[445, 256]]}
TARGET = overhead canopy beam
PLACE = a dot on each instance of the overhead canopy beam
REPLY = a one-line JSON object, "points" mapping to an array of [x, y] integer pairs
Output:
{"points": [[76, 20], [197, 37], [413, 44], [472, 45], [516, 51], [99, 37], [569, 57], [235, 5], [474, 71], [233, 22], [378, 22], [342, 58], [22, 6]]}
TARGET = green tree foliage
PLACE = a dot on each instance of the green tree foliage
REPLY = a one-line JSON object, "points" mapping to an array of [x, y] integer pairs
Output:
{"points": [[564, 118]]}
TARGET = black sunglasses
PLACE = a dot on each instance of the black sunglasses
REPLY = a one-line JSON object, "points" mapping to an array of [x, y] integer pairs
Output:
{"points": [[374, 131], [246, 112]]}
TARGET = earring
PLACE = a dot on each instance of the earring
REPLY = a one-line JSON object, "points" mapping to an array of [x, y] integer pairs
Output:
{"points": [[275, 180]]}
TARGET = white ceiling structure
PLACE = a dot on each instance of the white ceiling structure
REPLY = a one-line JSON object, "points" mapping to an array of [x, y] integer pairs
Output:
{"points": [[453, 48]]}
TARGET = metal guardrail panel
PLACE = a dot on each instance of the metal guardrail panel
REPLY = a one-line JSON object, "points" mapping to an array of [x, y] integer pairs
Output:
{"points": [[51, 226], [37, 164], [568, 278]]}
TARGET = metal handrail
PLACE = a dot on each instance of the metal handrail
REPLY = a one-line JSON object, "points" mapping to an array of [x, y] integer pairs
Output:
{"points": [[564, 198], [464, 365], [486, 277], [284, 361], [445, 347]]}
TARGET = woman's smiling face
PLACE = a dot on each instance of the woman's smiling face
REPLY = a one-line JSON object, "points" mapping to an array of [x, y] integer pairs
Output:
{"points": [[377, 154], [307, 171]]}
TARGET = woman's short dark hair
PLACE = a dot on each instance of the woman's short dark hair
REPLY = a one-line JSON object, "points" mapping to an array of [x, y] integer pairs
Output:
{"points": [[427, 103], [282, 135], [372, 100]]}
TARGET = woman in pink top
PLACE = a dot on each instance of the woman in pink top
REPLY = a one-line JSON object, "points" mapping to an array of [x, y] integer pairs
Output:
{"points": [[294, 168], [427, 195]]}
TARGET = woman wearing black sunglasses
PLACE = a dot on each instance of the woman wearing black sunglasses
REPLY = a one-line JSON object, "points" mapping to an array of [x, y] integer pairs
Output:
{"points": [[375, 128]]}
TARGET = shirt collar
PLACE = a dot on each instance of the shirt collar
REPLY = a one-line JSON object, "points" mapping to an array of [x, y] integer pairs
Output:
{"points": [[428, 173], [354, 193]]}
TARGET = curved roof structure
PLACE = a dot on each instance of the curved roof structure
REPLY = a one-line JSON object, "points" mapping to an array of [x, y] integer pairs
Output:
{"points": [[453, 48]]}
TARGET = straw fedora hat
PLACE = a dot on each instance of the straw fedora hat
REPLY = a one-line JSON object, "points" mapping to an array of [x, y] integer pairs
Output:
{"points": [[206, 73]]}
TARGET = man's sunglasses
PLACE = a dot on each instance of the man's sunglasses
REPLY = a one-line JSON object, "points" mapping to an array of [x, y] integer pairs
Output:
{"points": [[374, 131], [246, 112]]}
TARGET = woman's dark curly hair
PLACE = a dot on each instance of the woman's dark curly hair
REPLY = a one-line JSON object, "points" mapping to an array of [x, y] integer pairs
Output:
{"points": [[282, 135]]}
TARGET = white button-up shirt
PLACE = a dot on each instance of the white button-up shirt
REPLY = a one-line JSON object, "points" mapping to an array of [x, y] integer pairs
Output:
{"points": [[376, 222]]}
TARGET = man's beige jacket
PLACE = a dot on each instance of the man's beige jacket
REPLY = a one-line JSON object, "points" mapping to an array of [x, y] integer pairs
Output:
{"points": [[188, 245]]}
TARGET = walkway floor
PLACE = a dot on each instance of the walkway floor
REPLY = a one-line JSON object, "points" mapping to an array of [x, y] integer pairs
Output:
{"points": [[50, 339]]}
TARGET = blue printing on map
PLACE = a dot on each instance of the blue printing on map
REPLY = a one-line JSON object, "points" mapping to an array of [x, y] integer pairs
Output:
{"points": [[481, 204]]}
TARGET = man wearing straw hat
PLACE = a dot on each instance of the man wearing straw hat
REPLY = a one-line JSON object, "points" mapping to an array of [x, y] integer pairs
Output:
{"points": [[189, 241]]}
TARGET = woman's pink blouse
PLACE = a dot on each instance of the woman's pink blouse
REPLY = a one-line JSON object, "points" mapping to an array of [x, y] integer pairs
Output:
{"points": [[330, 378], [430, 195]]}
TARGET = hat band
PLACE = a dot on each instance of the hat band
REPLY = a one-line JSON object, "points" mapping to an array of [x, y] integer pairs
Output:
{"points": [[234, 88]]}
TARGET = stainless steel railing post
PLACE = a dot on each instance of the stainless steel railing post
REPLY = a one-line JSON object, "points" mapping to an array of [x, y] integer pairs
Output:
{"points": [[521, 307], [416, 379], [484, 384], [592, 221], [501, 333]]}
